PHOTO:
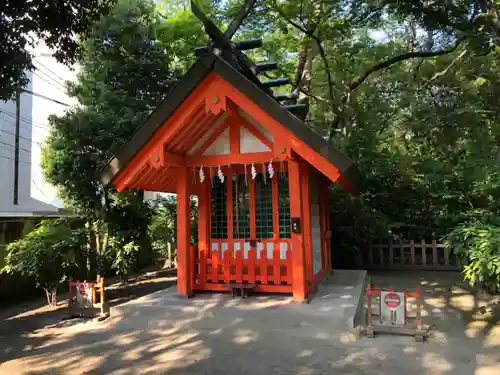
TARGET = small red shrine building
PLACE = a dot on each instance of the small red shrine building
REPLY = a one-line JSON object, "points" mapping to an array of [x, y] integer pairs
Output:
{"points": [[259, 173]]}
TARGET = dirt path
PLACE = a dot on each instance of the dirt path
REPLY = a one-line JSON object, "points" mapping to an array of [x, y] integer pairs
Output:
{"points": [[213, 334], [29, 325]]}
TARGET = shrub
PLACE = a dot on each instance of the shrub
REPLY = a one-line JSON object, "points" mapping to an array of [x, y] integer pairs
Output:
{"points": [[49, 254], [477, 245]]}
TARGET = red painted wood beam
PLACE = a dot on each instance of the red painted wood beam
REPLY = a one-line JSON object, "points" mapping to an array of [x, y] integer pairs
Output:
{"points": [[174, 159], [183, 235], [167, 131], [279, 131], [299, 277], [305, 177], [254, 157]]}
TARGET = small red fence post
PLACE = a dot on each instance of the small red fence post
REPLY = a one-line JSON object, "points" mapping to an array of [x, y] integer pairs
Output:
{"points": [[239, 267], [228, 255], [202, 261], [192, 266], [263, 267], [289, 266], [276, 264], [251, 266], [215, 267]]}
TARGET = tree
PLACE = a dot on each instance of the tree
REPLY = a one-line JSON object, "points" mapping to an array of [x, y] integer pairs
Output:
{"points": [[409, 99], [24, 23], [477, 21], [125, 72], [49, 254]]}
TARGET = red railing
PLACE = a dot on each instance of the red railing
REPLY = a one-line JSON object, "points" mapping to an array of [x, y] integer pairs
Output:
{"points": [[232, 267]]}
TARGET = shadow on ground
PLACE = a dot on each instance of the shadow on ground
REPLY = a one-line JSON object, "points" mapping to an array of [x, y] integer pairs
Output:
{"points": [[31, 324], [213, 334]]}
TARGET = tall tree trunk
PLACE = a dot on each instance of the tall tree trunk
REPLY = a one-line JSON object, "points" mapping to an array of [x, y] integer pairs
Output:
{"points": [[301, 63], [91, 250], [51, 294]]}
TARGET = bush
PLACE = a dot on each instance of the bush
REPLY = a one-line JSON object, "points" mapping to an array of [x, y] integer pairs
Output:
{"points": [[477, 245], [354, 227], [163, 227], [49, 254]]}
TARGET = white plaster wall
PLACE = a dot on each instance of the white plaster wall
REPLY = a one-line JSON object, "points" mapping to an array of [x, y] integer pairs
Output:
{"points": [[36, 196], [220, 145], [315, 223], [257, 125], [249, 143]]}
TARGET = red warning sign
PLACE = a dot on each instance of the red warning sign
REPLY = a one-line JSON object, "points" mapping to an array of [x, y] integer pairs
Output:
{"points": [[392, 300], [82, 289]]}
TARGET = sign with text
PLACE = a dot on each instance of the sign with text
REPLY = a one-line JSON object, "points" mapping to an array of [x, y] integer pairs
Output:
{"points": [[392, 307]]}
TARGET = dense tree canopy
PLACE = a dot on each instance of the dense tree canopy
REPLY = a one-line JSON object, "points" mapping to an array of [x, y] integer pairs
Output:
{"points": [[124, 74], [24, 23], [408, 89]]}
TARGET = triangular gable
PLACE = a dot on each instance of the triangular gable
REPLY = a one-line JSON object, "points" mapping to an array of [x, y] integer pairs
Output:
{"points": [[251, 143], [221, 146], [211, 89]]}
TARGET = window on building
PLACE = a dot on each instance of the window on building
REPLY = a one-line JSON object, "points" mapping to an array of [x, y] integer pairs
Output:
{"points": [[219, 209], [241, 208], [284, 205], [263, 206]]}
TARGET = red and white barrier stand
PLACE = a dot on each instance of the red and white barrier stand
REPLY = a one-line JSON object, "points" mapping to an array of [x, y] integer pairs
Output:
{"points": [[392, 314], [83, 299]]}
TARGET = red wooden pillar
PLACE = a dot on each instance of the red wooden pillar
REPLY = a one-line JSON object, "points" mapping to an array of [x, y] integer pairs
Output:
{"points": [[299, 279], [204, 218], [183, 235], [306, 226]]}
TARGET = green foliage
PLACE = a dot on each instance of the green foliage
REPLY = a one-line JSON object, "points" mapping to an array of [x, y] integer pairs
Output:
{"points": [[48, 254], [24, 23], [181, 32], [354, 227], [474, 20], [387, 82], [163, 226], [125, 258], [477, 245], [125, 72]]}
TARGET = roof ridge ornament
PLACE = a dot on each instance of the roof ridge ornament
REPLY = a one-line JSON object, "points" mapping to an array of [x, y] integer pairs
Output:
{"points": [[222, 45]]}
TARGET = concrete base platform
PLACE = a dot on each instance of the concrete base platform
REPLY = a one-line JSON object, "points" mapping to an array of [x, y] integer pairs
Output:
{"points": [[342, 296], [338, 302]]}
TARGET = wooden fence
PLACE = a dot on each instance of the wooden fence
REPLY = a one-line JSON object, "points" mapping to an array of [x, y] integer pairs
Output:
{"points": [[233, 268], [411, 255]]}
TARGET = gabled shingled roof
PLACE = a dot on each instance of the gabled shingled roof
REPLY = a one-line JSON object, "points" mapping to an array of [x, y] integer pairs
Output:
{"points": [[251, 88]]}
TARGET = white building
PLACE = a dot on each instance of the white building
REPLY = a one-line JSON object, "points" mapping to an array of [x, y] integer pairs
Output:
{"points": [[24, 193], [45, 95]]}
